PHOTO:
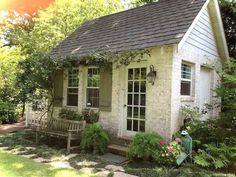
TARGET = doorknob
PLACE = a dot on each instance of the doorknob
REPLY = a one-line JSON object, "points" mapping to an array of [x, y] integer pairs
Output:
{"points": [[125, 105]]}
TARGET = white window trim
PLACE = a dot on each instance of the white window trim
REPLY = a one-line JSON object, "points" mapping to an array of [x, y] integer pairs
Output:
{"points": [[65, 88], [86, 87], [188, 80]]}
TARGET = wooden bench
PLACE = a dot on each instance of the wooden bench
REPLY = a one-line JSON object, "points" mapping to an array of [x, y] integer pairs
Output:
{"points": [[61, 128]]}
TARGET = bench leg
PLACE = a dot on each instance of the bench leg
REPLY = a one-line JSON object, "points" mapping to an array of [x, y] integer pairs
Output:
{"points": [[68, 142]]}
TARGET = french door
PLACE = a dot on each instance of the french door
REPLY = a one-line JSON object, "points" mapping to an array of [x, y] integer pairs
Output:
{"points": [[136, 100]]}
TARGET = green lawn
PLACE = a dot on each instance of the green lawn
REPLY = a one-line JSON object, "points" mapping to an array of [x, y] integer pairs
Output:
{"points": [[17, 166]]}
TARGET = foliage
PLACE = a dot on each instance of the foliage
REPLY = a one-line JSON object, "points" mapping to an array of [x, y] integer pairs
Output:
{"points": [[228, 13], [142, 2], [95, 139], [190, 113], [35, 36], [168, 153], [187, 170], [144, 145], [90, 116], [216, 156], [9, 59], [70, 115], [8, 112], [119, 58], [227, 89]]}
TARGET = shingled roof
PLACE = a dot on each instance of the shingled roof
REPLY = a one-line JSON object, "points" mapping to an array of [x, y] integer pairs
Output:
{"points": [[161, 23]]}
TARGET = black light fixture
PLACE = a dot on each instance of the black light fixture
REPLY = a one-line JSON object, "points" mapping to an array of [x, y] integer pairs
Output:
{"points": [[151, 76]]}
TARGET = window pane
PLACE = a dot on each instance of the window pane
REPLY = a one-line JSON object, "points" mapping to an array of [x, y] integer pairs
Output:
{"points": [[93, 87], [142, 113], [130, 96], [93, 77], [136, 86], [136, 99], [143, 86], [72, 87], [72, 99], [129, 112], [130, 86], [131, 74], [143, 100], [142, 126], [143, 73], [72, 90], [135, 112], [129, 124], [185, 88], [93, 97], [135, 125], [185, 71], [136, 73]]}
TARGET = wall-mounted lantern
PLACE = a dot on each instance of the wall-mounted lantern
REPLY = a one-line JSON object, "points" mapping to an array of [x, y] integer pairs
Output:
{"points": [[151, 76]]}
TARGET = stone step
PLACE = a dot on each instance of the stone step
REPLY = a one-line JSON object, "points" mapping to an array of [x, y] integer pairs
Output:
{"points": [[118, 149], [123, 141]]}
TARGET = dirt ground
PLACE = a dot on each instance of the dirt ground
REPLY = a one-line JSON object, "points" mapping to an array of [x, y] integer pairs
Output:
{"points": [[8, 128]]}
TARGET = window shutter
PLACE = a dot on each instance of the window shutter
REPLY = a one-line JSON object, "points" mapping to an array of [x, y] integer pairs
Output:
{"points": [[58, 88], [105, 91]]}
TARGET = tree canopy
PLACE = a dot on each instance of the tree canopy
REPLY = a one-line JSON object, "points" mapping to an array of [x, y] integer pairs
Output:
{"points": [[30, 38]]}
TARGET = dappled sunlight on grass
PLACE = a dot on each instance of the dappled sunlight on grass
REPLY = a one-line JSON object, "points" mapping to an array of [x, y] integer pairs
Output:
{"points": [[18, 165], [13, 165]]}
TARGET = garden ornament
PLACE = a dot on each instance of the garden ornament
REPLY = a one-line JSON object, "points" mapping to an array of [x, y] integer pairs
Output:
{"points": [[186, 147]]}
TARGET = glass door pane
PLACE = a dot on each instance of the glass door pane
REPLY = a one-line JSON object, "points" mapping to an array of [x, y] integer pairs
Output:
{"points": [[136, 99]]}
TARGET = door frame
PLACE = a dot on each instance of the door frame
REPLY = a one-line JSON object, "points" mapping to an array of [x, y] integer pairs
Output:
{"points": [[141, 64]]}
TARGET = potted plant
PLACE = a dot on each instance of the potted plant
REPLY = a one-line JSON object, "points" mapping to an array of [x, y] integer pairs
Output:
{"points": [[90, 116]]}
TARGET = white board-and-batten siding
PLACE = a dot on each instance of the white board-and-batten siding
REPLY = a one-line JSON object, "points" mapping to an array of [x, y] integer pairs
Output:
{"points": [[202, 37]]}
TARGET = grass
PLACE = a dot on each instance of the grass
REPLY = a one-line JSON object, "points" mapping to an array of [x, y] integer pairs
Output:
{"points": [[13, 165]]}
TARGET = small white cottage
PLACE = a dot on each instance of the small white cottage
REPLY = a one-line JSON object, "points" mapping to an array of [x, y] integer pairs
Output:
{"points": [[184, 38]]}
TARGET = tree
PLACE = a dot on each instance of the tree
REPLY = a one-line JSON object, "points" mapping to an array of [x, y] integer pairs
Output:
{"points": [[228, 10], [37, 35], [9, 59], [137, 3]]}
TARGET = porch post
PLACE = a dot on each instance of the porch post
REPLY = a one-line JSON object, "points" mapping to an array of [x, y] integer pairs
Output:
{"points": [[28, 114]]}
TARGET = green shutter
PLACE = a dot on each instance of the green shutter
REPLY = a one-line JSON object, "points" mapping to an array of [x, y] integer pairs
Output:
{"points": [[105, 91], [58, 88]]}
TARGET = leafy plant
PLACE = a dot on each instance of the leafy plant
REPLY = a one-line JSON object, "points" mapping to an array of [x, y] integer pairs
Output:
{"points": [[90, 116], [216, 156], [94, 139], [144, 145], [190, 113], [70, 115], [8, 112], [168, 153]]}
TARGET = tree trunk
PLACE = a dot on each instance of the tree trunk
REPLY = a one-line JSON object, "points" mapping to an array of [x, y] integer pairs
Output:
{"points": [[23, 109]]}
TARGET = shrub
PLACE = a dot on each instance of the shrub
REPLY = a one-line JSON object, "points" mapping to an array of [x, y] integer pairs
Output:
{"points": [[168, 153], [144, 145], [94, 139], [216, 156], [90, 116], [8, 113], [70, 115]]}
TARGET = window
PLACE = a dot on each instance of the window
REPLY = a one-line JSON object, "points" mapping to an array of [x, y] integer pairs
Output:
{"points": [[186, 79], [93, 87], [73, 87]]}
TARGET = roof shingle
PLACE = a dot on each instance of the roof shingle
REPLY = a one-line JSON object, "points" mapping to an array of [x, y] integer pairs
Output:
{"points": [[161, 23]]}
